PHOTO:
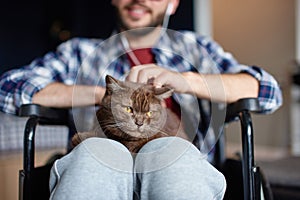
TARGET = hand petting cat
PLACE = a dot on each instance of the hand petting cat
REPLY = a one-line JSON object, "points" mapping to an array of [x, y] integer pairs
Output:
{"points": [[158, 76], [214, 87]]}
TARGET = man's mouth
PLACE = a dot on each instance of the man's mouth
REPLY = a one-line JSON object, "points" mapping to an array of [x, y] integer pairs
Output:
{"points": [[137, 12]]}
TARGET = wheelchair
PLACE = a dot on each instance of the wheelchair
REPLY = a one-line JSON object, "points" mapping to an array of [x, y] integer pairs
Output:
{"points": [[244, 178]]}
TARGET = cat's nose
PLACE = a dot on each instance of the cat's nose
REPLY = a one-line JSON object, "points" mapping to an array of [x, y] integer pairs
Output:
{"points": [[139, 123]]}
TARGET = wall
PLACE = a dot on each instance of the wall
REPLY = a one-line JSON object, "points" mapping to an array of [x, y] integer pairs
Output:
{"points": [[261, 33]]}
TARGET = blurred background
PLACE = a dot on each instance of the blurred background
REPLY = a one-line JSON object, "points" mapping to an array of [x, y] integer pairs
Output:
{"points": [[263, 33]]}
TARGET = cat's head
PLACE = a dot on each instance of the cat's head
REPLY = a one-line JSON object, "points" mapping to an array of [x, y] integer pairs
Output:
{"points": [[136, 108]]}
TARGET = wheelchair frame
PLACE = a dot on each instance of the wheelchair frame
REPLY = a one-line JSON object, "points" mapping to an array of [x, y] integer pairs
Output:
{"points": [[53, 116]]}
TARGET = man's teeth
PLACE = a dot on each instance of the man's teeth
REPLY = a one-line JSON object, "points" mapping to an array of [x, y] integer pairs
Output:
{"points": [[138, 11]]}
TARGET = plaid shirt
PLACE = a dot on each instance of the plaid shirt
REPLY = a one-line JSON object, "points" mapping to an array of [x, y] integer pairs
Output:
{"points": [[88, 61]]}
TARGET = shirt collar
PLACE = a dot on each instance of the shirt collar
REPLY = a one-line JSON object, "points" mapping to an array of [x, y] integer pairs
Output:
{"points": [[163, 44]]}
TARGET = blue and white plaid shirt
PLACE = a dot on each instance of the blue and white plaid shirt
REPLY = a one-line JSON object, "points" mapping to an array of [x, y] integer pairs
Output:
{"points": [[87, 61]]}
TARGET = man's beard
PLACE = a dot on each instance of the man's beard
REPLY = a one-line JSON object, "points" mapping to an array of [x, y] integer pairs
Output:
{"points": [[141, 30]]}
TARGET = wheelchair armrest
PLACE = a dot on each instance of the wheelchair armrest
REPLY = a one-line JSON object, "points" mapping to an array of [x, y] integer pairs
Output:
{"points": [[45, 115], [242, 109], [36, 114], [246, 104]]}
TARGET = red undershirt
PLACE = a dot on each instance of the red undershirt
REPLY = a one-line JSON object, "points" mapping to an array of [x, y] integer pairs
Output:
{"points": [[145, 56]]}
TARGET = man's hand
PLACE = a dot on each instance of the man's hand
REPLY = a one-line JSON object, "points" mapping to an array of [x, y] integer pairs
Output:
{"points": [[215, 87], [159, 77]]}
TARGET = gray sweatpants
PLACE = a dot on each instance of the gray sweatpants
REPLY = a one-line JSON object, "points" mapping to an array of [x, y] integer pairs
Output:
{"points": [[164, 169]]}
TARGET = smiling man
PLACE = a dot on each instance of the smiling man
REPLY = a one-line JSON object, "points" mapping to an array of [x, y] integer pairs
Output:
{"points": [[143, 51]]}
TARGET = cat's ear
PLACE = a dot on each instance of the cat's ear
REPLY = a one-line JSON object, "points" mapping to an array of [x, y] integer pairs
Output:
{"points": [[112, 84], [163, 92], [109, 79]]}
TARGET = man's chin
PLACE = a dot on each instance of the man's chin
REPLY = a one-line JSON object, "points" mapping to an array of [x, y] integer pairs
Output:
{"points": [[140, 31]]}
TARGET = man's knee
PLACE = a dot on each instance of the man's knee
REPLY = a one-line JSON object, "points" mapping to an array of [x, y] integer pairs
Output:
{"points": [[162, 152], [107, 152]]}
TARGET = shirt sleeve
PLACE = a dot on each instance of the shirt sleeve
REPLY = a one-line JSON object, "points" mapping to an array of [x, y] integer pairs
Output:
{"points": [[18, 86], [270, 94]]}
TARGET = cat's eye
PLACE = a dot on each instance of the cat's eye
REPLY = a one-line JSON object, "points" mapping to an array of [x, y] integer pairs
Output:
{"points": [[128, 109], [149, 114]]}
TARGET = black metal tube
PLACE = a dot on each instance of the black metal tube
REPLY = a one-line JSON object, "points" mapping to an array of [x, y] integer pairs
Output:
{"points": [[248, 155], [28, 162]]}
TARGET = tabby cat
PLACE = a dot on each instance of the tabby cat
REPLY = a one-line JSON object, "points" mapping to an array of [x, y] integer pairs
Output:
{"points": [[133, 114]]}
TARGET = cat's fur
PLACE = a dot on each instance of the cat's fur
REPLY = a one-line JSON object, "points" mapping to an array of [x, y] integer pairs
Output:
{"points": [[132, 113]]}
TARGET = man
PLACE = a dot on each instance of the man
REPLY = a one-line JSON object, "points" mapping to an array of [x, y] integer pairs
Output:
{"points": [[196, 67]]}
